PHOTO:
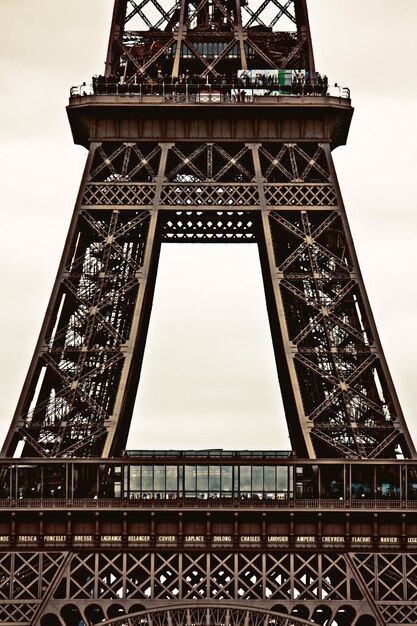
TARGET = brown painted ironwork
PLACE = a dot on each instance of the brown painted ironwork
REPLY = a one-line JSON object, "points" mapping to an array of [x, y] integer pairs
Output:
{"points": [[209, 125]]}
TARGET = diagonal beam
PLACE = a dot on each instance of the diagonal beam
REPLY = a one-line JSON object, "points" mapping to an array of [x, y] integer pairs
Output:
{"points": [[231, 161], [107, 161], [292, 228], [101, 319], [26, 436], [346, 452], [114, 245], [96, 434], [282, 12], [77, 389], [295, 51], [200, 57], [262, 54], [144, 161], [221, 56], [137, 10], [384, 443], [316, 369], [276, 162], [311, 162], [252, 13], [324, 225], [187, 161]]}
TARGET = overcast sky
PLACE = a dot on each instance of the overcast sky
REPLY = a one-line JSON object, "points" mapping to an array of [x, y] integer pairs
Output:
{"points": [[208, 376]]}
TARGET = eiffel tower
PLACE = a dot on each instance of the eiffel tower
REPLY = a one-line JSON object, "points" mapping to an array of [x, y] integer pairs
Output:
{"points": [[211, 124]]}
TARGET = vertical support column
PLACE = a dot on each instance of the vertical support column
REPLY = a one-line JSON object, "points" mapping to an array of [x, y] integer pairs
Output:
{"points": [[405, 439], [179, 37], [298, 425], [240, 36], [180, 570], [303, 27], [208, 576], [117, 428], [152, 577]]}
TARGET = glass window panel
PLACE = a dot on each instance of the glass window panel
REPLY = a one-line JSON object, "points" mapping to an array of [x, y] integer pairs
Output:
{"points": [[190, 478], [257, 478], [134, 482], [112, 486], [245, 478], [54, 482], [269, 478], [214, 482], [159, 478], [291, 481], [412, 482], [306, 481], [387, 481], [202, 477], [29, 482], [282, 478], [362, 482], [147, 477], [171, 478], [5, 478], [85, 482], [227, 477], [181, 480], [332, 481]]}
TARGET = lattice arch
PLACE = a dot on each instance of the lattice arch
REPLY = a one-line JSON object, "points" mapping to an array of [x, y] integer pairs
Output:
{"points": [[207, 615]]}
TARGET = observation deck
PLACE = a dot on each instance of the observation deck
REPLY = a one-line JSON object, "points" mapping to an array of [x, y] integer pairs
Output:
{"points": [[209, 112], [209, 500]]}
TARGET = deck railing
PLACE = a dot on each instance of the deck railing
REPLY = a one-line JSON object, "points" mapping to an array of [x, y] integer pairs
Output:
{"points": [[207, 93], [250, 503]]}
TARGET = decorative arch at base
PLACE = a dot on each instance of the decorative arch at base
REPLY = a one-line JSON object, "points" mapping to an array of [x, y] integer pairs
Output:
{"points": [[207, 615]]}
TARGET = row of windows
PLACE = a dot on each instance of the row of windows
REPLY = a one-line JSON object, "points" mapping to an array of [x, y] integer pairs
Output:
{"points": [[203, 481], [214, 478], [210, 50]]}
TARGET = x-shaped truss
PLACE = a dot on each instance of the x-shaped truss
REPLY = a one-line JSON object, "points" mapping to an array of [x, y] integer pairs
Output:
{"points": [[149, 36]]}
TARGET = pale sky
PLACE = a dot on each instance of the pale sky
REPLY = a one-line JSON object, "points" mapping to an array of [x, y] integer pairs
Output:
{"points": [[46, 46]]}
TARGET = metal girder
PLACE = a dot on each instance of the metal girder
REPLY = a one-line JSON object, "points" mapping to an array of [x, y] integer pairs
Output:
{"points": [[181, 30], [383, 444], [203, 588], [283, 10], [200, 193]]}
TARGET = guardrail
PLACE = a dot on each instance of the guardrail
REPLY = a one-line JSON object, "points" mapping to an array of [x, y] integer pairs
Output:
{"points": [[204, 93], [156, 503]]}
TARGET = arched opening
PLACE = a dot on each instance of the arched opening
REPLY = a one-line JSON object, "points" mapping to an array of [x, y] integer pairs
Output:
{"points": [[366, 620], [300, 611], [321, 615], [50, 620], [345, 616], [115, 610], [95, 614], [72, 616]]}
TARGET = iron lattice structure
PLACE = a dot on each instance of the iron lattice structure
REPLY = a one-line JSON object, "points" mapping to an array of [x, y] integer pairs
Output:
{"points": [[209, 125]]}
